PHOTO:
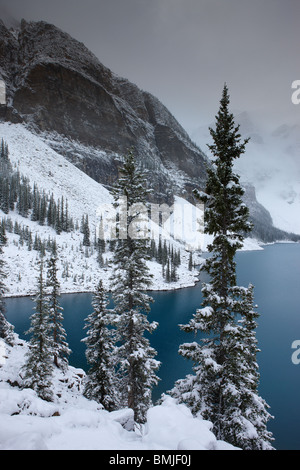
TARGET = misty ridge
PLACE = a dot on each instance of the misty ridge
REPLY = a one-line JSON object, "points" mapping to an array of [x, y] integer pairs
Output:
{"points": [[271, 164]]}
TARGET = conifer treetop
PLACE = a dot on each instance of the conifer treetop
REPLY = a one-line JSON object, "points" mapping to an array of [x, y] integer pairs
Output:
{"points": [[227, 139]]}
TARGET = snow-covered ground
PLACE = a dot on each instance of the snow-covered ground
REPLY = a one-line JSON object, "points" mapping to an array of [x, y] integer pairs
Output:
{"points": [[71, 422]]}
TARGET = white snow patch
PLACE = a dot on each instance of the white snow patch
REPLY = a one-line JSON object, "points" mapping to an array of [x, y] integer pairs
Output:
{"points": [[78, 268]]}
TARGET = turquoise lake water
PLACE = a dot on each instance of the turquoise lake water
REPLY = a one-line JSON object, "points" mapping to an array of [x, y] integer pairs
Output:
{"points": [[275, 273]]}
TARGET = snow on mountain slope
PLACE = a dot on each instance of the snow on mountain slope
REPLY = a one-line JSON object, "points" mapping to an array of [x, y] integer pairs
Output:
{"points": [[78, 268], [53, 173], [186, 224], [281, 193], [71, 422]]}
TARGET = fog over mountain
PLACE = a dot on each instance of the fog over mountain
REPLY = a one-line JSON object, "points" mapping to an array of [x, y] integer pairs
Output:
{"points": [[183, 52], [272, 164]]}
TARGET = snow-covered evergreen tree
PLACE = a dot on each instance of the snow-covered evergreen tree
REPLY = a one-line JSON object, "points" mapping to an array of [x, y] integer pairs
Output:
{"points": [[101, 380], [60, 347], [38, 368], [248, 424], [136, 358], [222, 390], [6, 330]]}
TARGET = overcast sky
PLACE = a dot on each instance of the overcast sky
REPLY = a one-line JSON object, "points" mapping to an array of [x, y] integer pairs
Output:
{"points": [[183, 51]]}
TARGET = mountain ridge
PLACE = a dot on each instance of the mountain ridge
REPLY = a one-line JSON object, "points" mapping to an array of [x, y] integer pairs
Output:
{"points": [[55, 84], [271, 166]]}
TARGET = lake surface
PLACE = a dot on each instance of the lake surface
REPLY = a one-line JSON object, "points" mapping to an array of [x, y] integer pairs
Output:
{"points": [[275, 273]]}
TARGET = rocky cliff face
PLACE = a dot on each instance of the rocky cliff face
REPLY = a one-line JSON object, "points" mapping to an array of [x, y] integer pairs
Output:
{"points": [[56, 85], [58, 88]]}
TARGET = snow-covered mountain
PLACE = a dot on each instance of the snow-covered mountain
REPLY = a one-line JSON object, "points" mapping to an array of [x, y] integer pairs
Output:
{"points": [[271, 164], [73, 422], [86, 113]]}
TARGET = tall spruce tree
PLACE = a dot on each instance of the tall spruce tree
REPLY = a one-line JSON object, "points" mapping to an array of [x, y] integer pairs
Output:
{"points": [[38, 368], [136, 358], [221, 389], [60, 347], [101, 381]]}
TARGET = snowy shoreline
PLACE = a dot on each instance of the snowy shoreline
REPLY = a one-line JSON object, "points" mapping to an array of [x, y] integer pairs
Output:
{"points": [[192, 278]]}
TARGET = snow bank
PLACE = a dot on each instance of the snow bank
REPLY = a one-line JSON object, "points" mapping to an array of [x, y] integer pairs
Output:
{"points": [[172, 426], [72, 422], [271, 165]]}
